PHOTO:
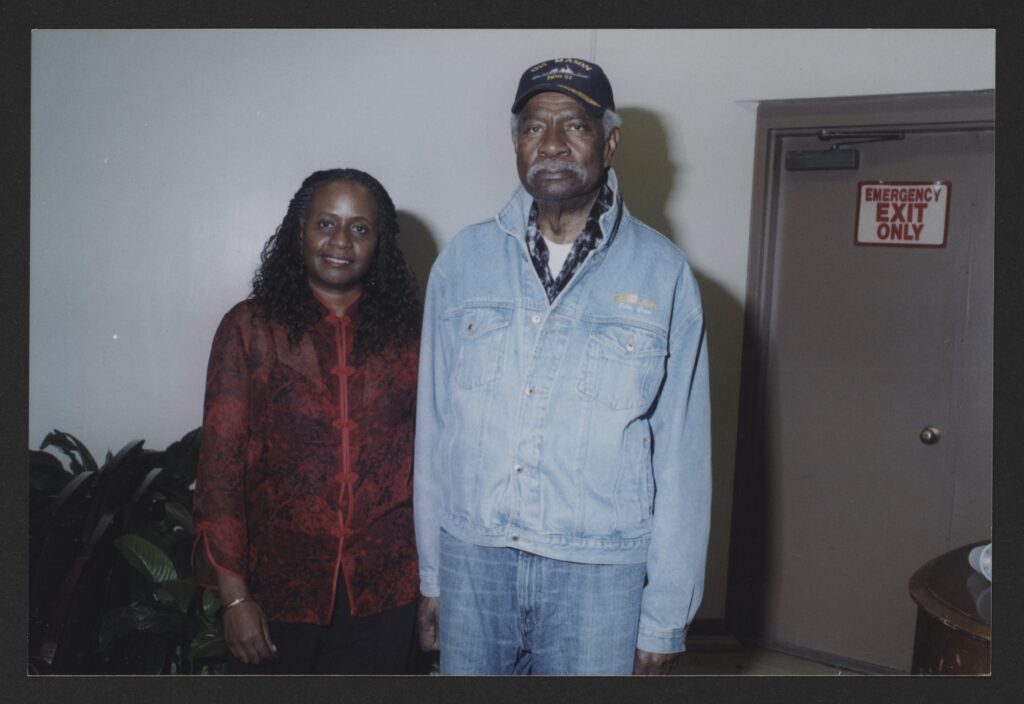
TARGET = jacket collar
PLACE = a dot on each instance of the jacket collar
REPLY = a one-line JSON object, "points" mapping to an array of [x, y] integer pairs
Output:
{"points": [[514, 217], [328, 310]]}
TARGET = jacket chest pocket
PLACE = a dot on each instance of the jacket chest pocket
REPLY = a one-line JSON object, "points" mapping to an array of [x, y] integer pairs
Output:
{"points": [[482, 335], [623, 366]]}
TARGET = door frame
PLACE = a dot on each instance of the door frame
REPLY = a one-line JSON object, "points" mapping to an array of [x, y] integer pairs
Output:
{"points": [[777, 120]]}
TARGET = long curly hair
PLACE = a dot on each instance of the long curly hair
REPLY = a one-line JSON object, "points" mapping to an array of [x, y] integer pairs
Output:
{"points": [[389, 312]]}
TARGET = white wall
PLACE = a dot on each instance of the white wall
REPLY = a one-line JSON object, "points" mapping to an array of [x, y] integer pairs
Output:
{"points": [[162, 160]]}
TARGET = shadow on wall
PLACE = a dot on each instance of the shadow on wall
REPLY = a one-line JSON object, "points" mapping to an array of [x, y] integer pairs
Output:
{"points": [[419, 245], [648, 179], [646, 176]]}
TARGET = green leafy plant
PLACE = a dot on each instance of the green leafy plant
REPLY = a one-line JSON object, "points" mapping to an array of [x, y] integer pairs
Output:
{"points": [[111, 587]]}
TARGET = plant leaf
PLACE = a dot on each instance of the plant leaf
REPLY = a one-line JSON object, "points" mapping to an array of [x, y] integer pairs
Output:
{"points": [[146, 557], [46, 473], [71, 446], [78, 487], [211, 603], [133, 618], [182, 455], [59, 440], [179, 461], [119, 477], [180, 515], [163, 597], [180, 591], [208, 643], [132, 504]]}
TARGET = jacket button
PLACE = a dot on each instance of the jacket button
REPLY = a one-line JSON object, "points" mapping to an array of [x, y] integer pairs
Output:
{"points": [[528, 391], [515, 536], [518, 468], [535, 319]]}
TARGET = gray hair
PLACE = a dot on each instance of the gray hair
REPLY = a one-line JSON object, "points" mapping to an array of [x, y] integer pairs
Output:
{"points": [[609, 121]]}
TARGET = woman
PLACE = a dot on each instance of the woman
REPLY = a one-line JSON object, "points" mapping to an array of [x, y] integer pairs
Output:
{"points": [[303, 495]]}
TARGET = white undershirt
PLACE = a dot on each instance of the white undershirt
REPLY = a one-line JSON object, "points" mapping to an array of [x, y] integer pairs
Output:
{"points": [[557, 254]]}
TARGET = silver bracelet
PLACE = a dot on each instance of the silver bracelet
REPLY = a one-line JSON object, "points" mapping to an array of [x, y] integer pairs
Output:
{"points": [[237, 601]]}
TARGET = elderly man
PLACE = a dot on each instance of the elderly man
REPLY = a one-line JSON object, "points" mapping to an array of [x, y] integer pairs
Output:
{"points": [[562, 477]]}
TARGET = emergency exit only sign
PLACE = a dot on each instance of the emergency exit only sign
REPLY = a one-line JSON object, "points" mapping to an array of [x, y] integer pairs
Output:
{"points": [[902, 213]]}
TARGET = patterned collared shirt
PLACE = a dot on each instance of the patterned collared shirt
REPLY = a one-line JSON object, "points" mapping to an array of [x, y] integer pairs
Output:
{"points": [[587, 240]]}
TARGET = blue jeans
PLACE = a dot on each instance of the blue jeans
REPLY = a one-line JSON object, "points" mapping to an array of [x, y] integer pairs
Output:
{"points": [[505, 611]]}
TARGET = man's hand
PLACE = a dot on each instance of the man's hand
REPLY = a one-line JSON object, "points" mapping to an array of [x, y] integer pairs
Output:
{"points": [[647, 663], [248, 634], [427, 623]]}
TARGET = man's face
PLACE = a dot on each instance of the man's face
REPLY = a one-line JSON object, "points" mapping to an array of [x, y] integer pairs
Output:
{"points": [[561, 151]]}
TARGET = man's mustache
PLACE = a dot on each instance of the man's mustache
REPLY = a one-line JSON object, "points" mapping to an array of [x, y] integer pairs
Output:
{"points": [[555, 165]]}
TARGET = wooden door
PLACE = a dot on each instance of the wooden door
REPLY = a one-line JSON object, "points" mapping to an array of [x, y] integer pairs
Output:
{"points": [[857, 349]]}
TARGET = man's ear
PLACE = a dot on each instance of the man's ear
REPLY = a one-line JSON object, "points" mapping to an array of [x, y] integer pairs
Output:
{"points": [[610, 145]]}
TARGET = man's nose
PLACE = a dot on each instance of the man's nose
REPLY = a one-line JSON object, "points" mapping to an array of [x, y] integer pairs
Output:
{"points": [[553, 143]]}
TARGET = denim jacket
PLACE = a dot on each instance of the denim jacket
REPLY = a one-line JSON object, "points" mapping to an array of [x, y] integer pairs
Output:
{"points": [[578, 430]]}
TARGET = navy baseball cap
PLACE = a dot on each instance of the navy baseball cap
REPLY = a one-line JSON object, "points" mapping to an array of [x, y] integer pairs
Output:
{"points": [[582, 80]]}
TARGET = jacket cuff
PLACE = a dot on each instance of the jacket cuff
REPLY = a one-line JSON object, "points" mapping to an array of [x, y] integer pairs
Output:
{"points": [[657, 641], [204, 566], [429, 585]]}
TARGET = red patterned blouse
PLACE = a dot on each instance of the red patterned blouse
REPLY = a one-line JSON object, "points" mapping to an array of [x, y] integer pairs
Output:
{"points": [[306, 466]]}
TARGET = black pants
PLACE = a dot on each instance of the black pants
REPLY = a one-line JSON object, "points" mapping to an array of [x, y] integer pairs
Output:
{"points": [[350, 645]]}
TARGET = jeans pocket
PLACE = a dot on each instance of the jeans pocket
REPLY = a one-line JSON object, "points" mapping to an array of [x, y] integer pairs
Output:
{"points": [[623, 366], [482, 339]]}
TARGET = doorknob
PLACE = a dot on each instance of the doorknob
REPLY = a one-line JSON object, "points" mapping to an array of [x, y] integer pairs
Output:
{"points": [[930, 435]]}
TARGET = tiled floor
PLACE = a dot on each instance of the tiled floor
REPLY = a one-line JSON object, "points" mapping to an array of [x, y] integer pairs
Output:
{"points": [[723, 655]]}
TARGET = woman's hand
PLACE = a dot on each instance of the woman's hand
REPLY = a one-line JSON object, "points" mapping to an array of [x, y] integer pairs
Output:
{"points": [[246, 629], [248, 634]]}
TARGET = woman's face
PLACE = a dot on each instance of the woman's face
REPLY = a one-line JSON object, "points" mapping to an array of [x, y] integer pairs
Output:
{"points": [[339, 239]]}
